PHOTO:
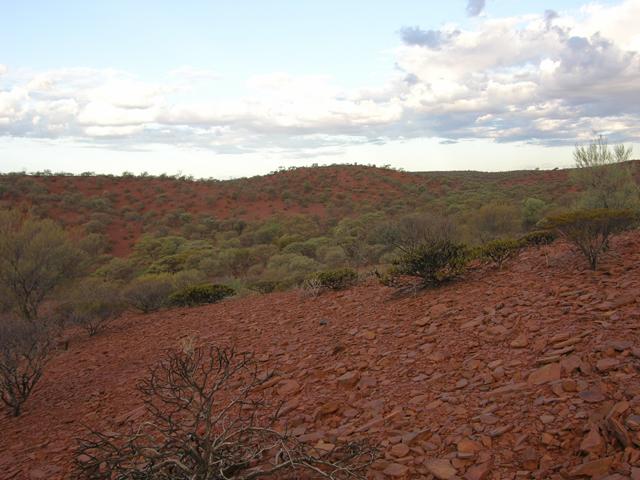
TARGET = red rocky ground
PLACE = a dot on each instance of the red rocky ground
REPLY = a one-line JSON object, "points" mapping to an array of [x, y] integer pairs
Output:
{"points": [[528, 372]]}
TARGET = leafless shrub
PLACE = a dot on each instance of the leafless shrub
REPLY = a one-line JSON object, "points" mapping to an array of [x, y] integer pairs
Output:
{"points": [[207, 418], [24, 351]]}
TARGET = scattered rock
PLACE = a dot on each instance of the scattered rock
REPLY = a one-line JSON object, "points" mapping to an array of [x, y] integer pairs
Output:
{"points": [[520, 341], [396, 470], [596, 468], [606, 364], [441, 469], [422, 322], [288, 387], [591, 396], [467, 445], [546, 374], [399, 450], [592, 442], [349, 379], [478, 472]]}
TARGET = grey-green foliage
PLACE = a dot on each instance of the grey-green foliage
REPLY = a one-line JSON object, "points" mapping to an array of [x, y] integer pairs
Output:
{"points": [[36, 257], [606, 181], [93, 303], [496, 220], [148, 293], [289, 268], [532, 211]]}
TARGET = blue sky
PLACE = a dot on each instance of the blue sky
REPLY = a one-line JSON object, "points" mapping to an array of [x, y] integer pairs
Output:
{"points": [[239, 88]]}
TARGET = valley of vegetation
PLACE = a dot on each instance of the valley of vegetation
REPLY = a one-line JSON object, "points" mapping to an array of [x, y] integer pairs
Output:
{"points": [[79, 252]]}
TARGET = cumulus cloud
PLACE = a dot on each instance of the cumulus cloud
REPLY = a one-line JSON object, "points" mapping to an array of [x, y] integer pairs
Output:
{"points": [[426, 38], [548, 78], [3, 69], [475, 7]]}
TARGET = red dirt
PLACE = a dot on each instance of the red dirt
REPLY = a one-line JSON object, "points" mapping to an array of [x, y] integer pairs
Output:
{"points": [[453, 373]]}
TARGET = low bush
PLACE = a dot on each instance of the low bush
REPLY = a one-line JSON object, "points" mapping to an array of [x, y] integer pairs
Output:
{"points": [[200, 295], [434, 262], [263, 286], [590, 230], [310, 287], [93, 303], [538, 238], [148, 293], [337, 279], [499, 251]]}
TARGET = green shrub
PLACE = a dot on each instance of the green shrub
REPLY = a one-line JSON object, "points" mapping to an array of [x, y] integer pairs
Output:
{"points": [[499, 251], [200, 295], [590, 230], [435, 262], [604, 176], [532, 211], [495, 220], [93, 303], [263, 286], [187, 278], [337, 279], [538, 237], [149, 292], [36, 259]]}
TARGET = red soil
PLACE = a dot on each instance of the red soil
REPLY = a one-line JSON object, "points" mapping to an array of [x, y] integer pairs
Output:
{"points": [[456, 374]]}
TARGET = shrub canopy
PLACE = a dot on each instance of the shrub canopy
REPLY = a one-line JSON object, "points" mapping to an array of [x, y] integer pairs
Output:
{"points": [[590, 230]]}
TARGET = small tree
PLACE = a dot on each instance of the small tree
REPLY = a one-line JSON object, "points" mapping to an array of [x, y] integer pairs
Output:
{"points": [[532, 211], [24, 351], [495, 220], [604, 179], [149, 292], [36, 257], [208, 418], [499, 251], [590, 230], [93, 303]]}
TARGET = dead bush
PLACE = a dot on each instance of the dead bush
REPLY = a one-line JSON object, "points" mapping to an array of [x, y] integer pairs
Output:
{"points": [[208, 418], [24, 351]]}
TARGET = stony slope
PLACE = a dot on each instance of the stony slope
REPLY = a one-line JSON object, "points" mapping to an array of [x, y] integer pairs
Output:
{"points": [[528, 372]]}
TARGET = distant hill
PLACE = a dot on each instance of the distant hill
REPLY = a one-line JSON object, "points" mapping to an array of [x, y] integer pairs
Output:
{"points": [[124, 207]]}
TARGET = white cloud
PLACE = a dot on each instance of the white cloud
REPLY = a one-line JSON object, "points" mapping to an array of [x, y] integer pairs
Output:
{"points": [[548, 78], [3, 69], [190, 73]]}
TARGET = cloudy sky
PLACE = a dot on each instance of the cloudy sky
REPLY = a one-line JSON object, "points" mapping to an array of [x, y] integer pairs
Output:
{"points": [[225, 89]]}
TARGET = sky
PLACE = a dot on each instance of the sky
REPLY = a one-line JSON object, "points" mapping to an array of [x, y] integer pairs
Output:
{"points": [[228, 89]]}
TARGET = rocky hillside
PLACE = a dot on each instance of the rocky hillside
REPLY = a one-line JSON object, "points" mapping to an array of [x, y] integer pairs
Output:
{"points": [[527, 372]]}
